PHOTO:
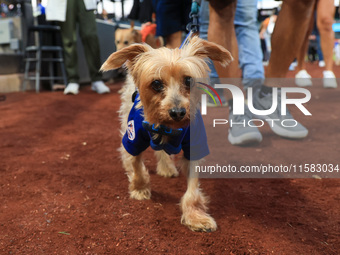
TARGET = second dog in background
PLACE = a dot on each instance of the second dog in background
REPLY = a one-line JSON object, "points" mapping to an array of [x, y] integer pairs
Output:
{"points": [[128, 36]]}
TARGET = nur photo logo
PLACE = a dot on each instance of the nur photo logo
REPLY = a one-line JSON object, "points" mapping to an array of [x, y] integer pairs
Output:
{"points": [[280, 100]]}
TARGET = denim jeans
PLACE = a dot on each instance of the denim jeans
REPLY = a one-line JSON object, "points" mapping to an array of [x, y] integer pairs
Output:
{"points": [[247, 34], [204, 25]]}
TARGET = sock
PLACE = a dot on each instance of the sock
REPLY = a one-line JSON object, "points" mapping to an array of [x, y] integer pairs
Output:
{"points": [[265, 90]]}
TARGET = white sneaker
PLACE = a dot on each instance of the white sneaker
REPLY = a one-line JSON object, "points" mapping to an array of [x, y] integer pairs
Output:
{"points": [[100, 87], [72, 88], [329, 80], [322, 63], [303, 79]]}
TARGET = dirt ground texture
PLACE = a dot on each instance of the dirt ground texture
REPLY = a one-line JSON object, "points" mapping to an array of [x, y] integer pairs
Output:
{"points": [[63, 189]]}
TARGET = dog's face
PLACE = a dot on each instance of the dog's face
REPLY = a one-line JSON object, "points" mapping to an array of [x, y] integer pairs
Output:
{"points": [[126, 37], [165, 76]]}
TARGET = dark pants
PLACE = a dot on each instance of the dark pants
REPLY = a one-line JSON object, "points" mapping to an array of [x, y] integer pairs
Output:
{"points": [[77, 14]]}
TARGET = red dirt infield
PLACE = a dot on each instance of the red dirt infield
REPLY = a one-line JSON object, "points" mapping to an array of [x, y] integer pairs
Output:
{"points": [[63, 189]]}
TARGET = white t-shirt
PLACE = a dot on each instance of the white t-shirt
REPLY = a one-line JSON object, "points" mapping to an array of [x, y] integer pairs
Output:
{"points": [[56, 9]]}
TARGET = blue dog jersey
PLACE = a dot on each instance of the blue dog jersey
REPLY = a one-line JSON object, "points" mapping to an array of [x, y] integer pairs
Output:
{"points": [[137, 138]]}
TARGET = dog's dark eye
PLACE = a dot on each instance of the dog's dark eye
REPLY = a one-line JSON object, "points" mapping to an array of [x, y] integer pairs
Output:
{"points": [[126, 42], [157, 85], [117, 42], [188, 81]]}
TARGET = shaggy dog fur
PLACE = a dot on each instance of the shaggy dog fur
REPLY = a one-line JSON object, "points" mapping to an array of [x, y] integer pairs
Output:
{"points": [[161, 77]]}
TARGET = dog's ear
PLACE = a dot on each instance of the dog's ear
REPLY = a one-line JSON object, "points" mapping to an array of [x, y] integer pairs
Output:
{"points": [[118, 58], [215, 52]]}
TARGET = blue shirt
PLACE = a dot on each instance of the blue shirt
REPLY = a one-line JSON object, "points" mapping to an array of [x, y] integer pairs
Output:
{"points": [[137, 139]]}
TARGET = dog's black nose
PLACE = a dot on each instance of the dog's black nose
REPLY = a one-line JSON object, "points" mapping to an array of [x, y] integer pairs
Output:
{"points": [[177, 113]]}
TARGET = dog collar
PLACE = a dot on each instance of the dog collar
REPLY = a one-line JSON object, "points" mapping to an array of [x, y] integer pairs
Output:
{"points": [[173, 146], [161, 129]]}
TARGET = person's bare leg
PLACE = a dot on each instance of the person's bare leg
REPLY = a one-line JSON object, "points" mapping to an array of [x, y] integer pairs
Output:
{"points": [[302, 53], [301, 63], [302, 77], [325, 19], [221, 31], [287, 39], [174, 40]]}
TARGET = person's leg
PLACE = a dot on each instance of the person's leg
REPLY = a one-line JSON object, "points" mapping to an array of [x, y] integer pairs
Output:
{"points": [[301, 65], [250, 60], [249, 47], [319, 50], [174, 40], [290, 30], [203, 33], [301, 56], [325, 19], [303, 78], [204, 19], [89, 38], [69, 38], [222, 31], [287, 39]]}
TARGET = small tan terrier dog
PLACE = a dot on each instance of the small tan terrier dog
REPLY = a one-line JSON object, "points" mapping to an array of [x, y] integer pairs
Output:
{"points": [[128, 36], [159, 82]]}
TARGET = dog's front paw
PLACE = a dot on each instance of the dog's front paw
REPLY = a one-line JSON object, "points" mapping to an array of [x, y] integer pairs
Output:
{"points": [[167, 170], [165, 165], [141, 194], [198, 220]]}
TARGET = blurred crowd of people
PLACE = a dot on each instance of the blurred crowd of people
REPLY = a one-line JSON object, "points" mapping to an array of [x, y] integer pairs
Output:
{"points": [[170, 18], [284, 36]]}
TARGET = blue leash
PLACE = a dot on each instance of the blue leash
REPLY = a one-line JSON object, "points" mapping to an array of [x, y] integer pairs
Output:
{"points": [[186, 40]]}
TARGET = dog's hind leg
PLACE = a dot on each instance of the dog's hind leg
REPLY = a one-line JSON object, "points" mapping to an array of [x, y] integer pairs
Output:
{"points": [[138, 175], [165, 165], [194, 203]]}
